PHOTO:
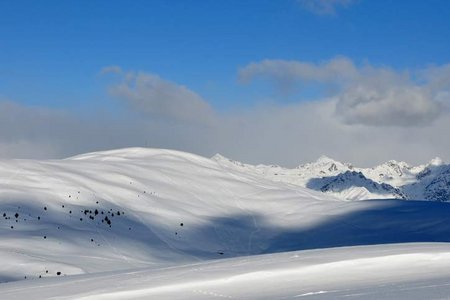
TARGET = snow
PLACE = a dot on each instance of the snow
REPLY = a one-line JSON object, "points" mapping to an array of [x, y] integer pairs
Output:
{"points": [[390, 180], [437, 161], [188, 227], [388, 272]]}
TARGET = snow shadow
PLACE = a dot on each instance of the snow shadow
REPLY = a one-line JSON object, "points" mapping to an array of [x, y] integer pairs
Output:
{"points": [[359, 223], [98, 227], [381, 222], [377, 222]]}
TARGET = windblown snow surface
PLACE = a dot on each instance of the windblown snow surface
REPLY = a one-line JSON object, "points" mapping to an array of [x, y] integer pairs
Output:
{"points": [[159, 224]]}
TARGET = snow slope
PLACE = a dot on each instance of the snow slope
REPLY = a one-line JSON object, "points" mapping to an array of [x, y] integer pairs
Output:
{"points": [[149, 209], [165, 207], [409, 271]]}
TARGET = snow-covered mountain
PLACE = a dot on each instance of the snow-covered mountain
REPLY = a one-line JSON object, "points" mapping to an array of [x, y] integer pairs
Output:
{"points": [[392, 179], [150, 223]]}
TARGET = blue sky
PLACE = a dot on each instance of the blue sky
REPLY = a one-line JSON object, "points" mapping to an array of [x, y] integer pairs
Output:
{"points": [[52, 52]]}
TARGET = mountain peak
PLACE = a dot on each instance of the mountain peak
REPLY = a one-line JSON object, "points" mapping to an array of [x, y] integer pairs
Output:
{"points": [[437, 161], [325, 160], [219, 157], [397, 164]]}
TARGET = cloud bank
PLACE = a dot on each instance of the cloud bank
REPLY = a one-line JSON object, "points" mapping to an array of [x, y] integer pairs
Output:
{"points": [[376, 114], [159, 98], [367, 95]]}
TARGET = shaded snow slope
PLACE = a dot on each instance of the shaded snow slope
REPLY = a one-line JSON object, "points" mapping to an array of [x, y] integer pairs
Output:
{"points": [[135, 208], [153, 208], [408, 271]]}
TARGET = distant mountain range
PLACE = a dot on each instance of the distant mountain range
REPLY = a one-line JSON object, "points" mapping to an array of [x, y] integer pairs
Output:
{"points": [[392, 179]]}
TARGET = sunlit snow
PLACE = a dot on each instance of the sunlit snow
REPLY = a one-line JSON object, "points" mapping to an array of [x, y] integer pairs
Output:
{"points": [[161, 224]]}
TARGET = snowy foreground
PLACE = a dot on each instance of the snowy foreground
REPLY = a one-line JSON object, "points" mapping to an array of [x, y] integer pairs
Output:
{"points": [[160, 224], [410, 271]]}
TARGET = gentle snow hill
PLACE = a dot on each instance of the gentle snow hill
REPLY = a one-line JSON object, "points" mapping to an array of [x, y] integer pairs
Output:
{"points": [[135, 208], [390, 180], [408, 271]]}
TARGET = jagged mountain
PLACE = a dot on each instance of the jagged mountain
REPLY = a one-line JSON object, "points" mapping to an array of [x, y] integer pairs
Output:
{"points": [[432, 183], [354, 185], [392, 179]]}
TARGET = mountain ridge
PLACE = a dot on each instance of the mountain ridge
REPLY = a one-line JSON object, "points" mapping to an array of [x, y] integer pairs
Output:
{"points": [[392, 179]]}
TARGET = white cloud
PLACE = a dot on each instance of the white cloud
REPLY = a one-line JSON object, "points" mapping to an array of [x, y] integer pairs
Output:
{"points": [[368, 95], [325, 7], [282, 134], [393, 106], [289, 72], [438, 76], [160, 98]]}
